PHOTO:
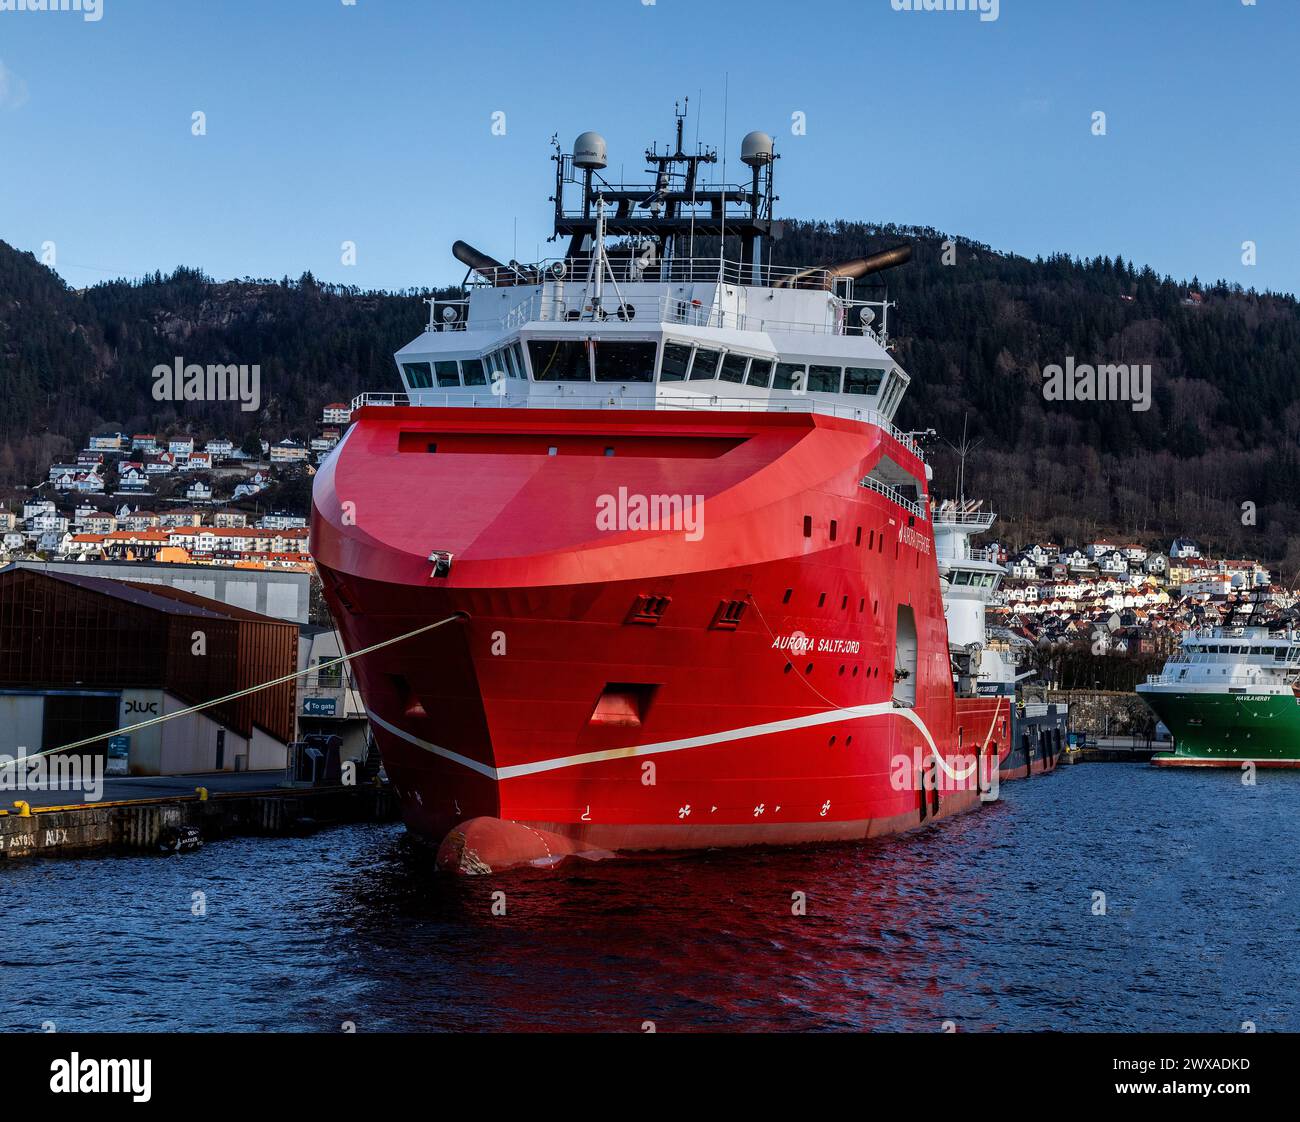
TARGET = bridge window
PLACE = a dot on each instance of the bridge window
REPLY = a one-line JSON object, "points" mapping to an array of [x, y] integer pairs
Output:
{"points": [[892, 394], [862, 379], [788, 374], [448, 372], [508, 360], [733, 367], [419, 375], [824, 379], [518, 352], [624, 361], [760, 372], [472, 368], [559, 360], [706, 363], [677, 360]]}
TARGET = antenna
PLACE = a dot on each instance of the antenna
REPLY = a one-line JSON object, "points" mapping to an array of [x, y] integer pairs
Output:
{"points": [[722, 238], [963, 450], [690, 251]]}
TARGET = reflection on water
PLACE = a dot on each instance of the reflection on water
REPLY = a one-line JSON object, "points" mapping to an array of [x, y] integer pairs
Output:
{"points": [[986, 921]]}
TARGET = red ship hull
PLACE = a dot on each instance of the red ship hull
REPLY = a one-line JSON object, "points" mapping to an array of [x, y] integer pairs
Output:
{"points": [[610, 689]]}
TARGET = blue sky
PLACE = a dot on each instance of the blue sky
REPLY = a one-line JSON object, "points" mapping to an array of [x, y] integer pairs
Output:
{"points": [[371, 122]]}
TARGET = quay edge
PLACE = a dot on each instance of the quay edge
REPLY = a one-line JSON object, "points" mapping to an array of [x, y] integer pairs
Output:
{"points": [[141, 825]]}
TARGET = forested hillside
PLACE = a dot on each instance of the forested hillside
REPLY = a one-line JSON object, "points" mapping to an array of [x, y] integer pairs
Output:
{"points": [[1223, 430]]}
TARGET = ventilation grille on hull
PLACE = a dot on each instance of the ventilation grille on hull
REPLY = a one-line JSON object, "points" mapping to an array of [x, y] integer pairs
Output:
{"points": [[648, 609]]}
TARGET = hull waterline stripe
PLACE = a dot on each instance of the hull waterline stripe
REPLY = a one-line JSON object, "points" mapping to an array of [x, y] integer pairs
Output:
{"points": [[811, 720]]}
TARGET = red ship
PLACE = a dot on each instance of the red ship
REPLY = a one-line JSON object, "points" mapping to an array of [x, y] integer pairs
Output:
{"points": [[682, 558]]}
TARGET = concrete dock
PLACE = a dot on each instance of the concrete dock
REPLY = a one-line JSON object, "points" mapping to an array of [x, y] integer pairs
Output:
{"points": [[1117, 750], [139, 814]]}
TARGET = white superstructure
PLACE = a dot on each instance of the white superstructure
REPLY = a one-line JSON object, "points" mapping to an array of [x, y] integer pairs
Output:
{"points": [[1245, 660], [970, 577], [650, 322]]}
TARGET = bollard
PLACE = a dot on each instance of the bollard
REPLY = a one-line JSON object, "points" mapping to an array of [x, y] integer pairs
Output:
{"points": [[24, 809], [202, 793]]}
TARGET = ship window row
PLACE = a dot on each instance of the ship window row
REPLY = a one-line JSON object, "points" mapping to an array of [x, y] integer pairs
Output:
{"points": [[450, 373], [1278, 653], [609, 360], [579, 360], [976, 580]]}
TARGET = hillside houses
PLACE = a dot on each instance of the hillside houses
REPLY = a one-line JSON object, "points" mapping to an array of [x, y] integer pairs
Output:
{"points": [[1117, 598], [171, 465], [190, 543]]}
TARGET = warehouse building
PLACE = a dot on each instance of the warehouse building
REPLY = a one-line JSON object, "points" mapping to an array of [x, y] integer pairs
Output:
{"points": [[282, 593], [81, 656]]}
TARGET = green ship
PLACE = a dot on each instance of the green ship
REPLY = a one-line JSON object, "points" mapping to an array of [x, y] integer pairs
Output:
{"points": [[1230, 696]]}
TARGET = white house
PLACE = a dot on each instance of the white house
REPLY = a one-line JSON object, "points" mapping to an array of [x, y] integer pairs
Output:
{"points": [[1023, 568], [1113, 562], [278, 520]]}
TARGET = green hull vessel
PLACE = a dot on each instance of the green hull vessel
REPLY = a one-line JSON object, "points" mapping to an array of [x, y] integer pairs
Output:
{"points": [[1228, 729], [1230, 697]]}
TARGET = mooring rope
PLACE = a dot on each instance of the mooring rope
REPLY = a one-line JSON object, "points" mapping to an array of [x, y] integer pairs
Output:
{"points": [[231, 696]]}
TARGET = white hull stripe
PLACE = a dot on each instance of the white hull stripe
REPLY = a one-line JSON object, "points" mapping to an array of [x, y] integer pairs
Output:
{"points": [[811, 720]]}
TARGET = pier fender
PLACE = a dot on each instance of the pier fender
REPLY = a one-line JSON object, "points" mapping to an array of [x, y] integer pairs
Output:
{"points": [[489, 845]]}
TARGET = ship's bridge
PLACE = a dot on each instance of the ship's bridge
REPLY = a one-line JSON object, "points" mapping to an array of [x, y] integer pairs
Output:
{"points": [[698, 339]]}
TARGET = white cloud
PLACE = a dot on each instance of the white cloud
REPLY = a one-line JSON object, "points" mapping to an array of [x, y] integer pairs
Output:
{"points": [[13, 90]]}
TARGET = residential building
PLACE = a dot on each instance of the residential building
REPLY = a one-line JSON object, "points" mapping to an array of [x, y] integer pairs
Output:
{"points": [[288, 452]]}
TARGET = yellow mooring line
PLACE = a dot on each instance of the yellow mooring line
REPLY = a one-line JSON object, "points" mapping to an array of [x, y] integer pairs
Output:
{"points": [[232, 696]]}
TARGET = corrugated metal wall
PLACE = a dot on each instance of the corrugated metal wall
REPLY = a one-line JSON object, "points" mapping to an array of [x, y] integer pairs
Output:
{"points": [[58, 633]]}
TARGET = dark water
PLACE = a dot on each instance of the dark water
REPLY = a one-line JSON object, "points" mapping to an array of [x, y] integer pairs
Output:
{"points": [[984, 920]]}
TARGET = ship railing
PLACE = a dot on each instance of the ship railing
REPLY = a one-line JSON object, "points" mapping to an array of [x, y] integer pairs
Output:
{"points": [[575, 306], [680, 270], [976, 519], [447, 315], [709, 402], [802, 404], [363, 399], [1269, 676], [894, 495]]}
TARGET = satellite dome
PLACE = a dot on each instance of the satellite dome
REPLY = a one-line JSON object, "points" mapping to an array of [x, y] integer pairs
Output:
{"points": [[756, 149], [589, 151]]}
